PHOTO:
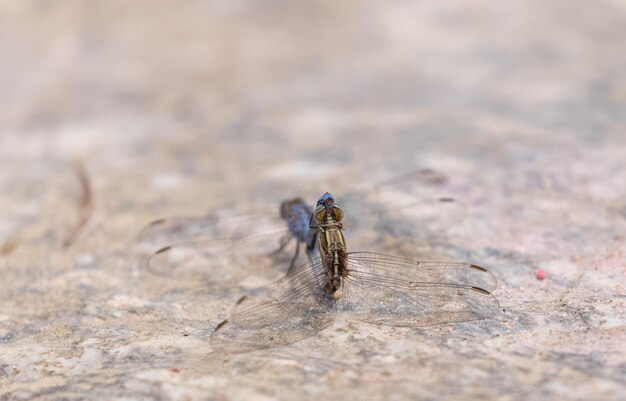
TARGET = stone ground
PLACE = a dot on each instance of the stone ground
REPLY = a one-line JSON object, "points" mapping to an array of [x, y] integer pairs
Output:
{"points": [[115, 114]]}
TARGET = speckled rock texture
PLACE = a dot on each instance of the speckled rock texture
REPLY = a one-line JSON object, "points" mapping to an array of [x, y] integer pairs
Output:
{"points": [[117, 113]]}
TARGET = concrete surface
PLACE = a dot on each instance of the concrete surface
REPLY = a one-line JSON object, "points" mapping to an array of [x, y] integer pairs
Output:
{"points": [[185, 108]]}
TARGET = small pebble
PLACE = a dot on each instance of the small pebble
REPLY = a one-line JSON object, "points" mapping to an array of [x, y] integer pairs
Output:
{"points": [[541, 274]]}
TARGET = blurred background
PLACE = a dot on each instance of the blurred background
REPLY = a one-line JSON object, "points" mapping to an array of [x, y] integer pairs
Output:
{"points": [[258, 99], [116, 113]]}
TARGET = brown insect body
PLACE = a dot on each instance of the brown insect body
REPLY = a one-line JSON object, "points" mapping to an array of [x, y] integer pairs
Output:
{"points": [[327, 217]]}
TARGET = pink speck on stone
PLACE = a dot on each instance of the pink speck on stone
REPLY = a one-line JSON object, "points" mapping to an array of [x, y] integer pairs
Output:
{"points": [[541, 274]]}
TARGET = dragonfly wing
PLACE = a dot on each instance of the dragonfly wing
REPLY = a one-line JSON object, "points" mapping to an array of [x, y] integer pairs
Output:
{"points": [[396, 215], [159, 233], [223, 259], [288, 311], [413, 205], [162, 232], [393, 267], [417, 182], [376, 291]]}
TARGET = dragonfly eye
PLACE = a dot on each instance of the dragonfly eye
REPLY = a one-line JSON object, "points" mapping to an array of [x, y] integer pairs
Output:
{"points": [[326, 199]]}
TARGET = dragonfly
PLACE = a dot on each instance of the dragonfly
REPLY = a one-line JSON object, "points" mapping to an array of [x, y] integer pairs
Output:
{"points": [[374, 288], [210, 248]]}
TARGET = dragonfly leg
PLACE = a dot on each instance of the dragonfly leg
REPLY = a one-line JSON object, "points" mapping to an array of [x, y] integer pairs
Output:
{"points": [[283, 243], [292, 265], [311, 241], [310, 253]]}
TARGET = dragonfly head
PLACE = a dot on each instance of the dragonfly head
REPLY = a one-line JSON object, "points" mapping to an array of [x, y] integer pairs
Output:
{"points": [[326, 200]]}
